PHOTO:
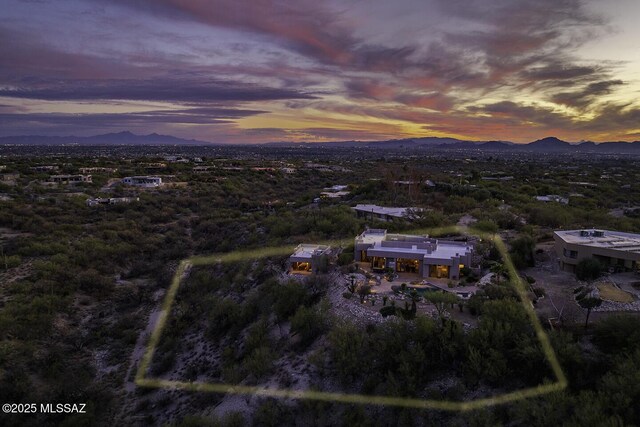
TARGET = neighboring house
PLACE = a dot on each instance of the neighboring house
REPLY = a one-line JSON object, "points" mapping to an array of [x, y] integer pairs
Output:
{"points": [[336, 188], [69, 179], [497, 178], [200, 169], [584, 184], [308, 258], [45, 168], [176, 159], [553, 198], [143, 181], [111, 201], [613, 249], [98, 170], [154, 166], [335, 192], [425, 256], [382, 213]]}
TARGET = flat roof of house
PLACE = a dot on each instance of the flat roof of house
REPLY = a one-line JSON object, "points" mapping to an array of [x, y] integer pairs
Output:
{"points": [[337, 188], [617, 240], [334, 195], [307, 251], [381, 210], [142, 177], [443, 248], [372, 235]]}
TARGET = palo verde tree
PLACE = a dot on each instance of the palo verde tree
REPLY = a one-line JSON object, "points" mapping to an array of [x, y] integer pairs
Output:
{"points": [[440, 300], [589, 303]]}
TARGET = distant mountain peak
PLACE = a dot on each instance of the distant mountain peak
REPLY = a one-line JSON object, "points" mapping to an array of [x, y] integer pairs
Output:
{"points": [[550, 143], [550, 140]]}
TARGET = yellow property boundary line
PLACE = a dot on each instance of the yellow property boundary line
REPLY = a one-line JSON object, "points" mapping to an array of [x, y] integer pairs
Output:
{"points": [[142, 381]]}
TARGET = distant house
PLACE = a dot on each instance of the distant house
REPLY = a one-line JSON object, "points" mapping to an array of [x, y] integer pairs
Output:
{"points": [[98, 170], [613, 249], [308, 258], [584, 184], [201, 169], [497, 178], [176, 159], [287, 170], [552, 198], [111, 201], [154, 166], [335, 192], [143, 181], [425, 256], [69, 179], [382, 213], [335, 188]]}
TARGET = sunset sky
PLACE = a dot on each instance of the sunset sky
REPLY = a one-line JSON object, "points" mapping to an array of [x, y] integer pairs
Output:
{"points": [[315, 70]]}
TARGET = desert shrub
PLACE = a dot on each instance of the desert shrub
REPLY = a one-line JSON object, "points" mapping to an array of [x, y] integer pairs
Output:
{"points": [[11, 261], [588, 269], [308, 323], [618, 334], [288, 297], [260, 362], [486, 226], [522, 252], [388, 310], [345, 258]]}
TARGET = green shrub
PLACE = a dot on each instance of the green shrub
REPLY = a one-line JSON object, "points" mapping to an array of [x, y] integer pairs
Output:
{"points": [[388, 310], [618, 334], [522, 252], [308, 323], [12, 261], [588, 269], [345, 258], [260, 362]]}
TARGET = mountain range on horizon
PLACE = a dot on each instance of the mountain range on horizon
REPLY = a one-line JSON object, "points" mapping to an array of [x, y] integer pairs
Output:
{"points": [[548, 144]]}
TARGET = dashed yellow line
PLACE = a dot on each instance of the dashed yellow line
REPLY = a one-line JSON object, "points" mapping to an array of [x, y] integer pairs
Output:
{"points": [[446, 405]]}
